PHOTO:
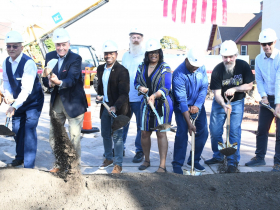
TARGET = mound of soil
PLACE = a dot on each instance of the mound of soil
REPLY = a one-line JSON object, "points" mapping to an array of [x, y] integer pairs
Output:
{"points": [[32, 189]]}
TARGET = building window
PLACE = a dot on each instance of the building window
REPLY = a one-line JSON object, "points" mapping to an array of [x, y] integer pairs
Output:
{"points": [[252, 64], [243, 50]]}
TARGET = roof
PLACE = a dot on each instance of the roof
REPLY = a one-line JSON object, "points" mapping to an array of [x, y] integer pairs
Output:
{"points": [[238, 25]]}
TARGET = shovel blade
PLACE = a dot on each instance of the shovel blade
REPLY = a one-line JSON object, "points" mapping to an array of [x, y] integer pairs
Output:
{"points": [[119, 122], [228, 151], [191, 173], [162, 127], [5, 131]]}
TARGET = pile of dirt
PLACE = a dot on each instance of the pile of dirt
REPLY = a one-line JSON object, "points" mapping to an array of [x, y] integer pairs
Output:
{"points": [[32, 189], [251, 112], [64, 152]]}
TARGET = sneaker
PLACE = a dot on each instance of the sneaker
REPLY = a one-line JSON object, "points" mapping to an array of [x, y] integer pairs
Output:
{"points": [[213, 161], [276, 168], [117, 169], [255, 162], [197, 167], [106, 164], [138, 157], [54, 170], [15, 162], [231, 169]]}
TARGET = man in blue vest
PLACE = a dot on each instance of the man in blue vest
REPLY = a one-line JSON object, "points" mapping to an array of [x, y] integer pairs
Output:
{"points": [[23, 92], [68, 98]]}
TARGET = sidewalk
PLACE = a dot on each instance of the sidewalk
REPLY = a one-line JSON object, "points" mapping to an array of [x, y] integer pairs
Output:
{"points": [[92, 146]]}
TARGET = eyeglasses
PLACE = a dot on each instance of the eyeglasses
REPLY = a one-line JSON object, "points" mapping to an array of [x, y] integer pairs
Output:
{"points": [[12, 46], [269, 44], [154, 53]]}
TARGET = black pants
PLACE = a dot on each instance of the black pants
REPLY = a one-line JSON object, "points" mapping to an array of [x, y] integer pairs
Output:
{"points": [[265, 119]]}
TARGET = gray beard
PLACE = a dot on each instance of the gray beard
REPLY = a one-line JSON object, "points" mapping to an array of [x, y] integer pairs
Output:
{"points": [[229, 68], [135, 49]]}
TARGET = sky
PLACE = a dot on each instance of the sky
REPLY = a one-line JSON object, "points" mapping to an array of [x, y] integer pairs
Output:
{"points": [[114, 19]]}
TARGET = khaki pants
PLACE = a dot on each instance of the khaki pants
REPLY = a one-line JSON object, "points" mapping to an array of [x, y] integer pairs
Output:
{"points": [[75, 125]]}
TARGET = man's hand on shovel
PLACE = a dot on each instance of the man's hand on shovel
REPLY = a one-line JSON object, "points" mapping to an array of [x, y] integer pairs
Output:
{"points": [[112, 109], [11, 111]]}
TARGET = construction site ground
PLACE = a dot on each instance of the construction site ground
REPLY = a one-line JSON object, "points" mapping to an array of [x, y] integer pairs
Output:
{"points": [[38, 189]]}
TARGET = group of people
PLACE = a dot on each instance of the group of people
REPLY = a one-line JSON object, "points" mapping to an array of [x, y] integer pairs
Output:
{"points": [[145, 86]]}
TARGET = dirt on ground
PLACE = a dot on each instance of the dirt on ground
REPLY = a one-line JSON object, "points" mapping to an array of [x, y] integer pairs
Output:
{"points": [[33, 189]]}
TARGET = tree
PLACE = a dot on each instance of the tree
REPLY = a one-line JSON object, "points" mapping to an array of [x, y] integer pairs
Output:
{"points": [[169, 42]]}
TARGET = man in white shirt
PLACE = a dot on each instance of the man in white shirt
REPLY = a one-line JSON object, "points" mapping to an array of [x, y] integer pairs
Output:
{"points": [[23, 92], [268, 84], [131, 60]]}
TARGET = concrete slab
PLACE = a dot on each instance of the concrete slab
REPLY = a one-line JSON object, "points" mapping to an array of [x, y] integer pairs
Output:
{"points": [[92, 146]]}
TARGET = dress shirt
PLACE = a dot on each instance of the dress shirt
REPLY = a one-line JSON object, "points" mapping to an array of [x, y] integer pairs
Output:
{"points": [[131, 63], [105, 80], [189, 89], [266, 70], [27, 80], [59, 64]]}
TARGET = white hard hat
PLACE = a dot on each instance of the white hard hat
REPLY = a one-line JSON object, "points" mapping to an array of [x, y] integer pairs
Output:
{"points": [[228, 48], [135, 31], [267, 35], [152, 44], [196, 57], [60, 35], [110, 46], [13, 37]]}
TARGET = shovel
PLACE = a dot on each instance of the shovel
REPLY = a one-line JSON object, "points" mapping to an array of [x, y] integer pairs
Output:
{"points": [[119, 121], [269, 108], [160, 127], [4, 130], [48, 70], [227, 149], [192, 172]]}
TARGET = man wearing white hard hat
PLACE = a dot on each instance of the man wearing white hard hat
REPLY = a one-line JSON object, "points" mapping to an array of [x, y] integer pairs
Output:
{"points": [[24, 93], [131, 60], [113, 89], [267, 68], [189, 86], [68, 97], [230, 78]]}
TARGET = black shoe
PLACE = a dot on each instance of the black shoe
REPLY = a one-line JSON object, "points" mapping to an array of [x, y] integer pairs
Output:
{"points": [[231, 169], [15, 163], [213, 161], [138, 157]]}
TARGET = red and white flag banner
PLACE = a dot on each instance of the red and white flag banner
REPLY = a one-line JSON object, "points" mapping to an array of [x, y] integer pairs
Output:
{"points": [[197, 11]]}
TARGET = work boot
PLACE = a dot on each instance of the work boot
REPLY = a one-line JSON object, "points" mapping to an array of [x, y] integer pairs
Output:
{"points": [[106, 164], [117, 169], [276, 168], [15, 162], [138, 157], [213, 161], [197, 167], [255, 161], [231, 169]]}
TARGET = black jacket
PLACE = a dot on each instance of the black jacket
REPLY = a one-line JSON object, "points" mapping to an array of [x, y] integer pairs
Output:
{"points": [[71, 92], [118, 88]]}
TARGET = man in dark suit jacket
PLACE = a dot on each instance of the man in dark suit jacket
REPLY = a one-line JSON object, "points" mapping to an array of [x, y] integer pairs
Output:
{"points": [[68, 97], [113, 89]]}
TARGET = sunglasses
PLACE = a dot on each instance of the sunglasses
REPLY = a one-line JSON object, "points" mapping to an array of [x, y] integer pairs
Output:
{"points": [[12, 46], [269, 44]]}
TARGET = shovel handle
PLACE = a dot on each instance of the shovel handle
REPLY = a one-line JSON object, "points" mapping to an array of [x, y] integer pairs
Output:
{"points": [[8, 119], [108, 108], [154, 110], [228, 126]]}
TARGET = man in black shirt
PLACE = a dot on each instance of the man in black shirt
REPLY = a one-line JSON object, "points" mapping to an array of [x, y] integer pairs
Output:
{"points": [[232, 78]]}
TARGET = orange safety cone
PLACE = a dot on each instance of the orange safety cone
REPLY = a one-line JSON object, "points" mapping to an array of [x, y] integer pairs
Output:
{"points": [[87, 124], [272, 130]]}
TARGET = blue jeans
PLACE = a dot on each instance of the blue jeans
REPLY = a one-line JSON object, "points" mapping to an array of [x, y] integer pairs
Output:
{"points": [[106, 122], [217, 119], [181, 138], [265, 119], [24, 126], [135, 108]]}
